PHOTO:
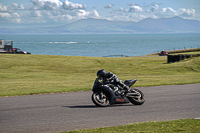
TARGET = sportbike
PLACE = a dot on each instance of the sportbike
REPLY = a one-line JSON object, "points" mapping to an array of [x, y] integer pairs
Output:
{"points": [[108, 94]]}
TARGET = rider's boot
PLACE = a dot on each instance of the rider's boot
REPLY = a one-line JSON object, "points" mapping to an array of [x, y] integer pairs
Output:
{"points": [[127, 89]]}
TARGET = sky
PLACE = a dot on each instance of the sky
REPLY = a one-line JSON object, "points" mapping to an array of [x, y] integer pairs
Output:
{"points": [[46, 13]]}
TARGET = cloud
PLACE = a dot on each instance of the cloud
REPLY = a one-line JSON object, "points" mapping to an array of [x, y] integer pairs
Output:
{"points": [[55, 4], [45, 11], [62, 12], [10, 17], [72, 6], [15, 6], [37, 13], [45, 4], [94, 13], [2, 7], [108, 6], [155, 7], [135, 9], [168, 10], [154, 10], [125, 16], [186, 12], [120, 9], [132, 4], [83, 13], [5, 15]]}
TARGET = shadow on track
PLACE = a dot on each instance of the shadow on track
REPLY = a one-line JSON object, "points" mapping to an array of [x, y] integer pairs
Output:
{"points": [[81, 106], [94, 106]]}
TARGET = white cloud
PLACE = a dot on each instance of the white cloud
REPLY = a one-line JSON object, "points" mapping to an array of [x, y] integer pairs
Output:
{"points": [[126, 16], [2, 7], [136, 13], [16, 20], [186, 12], [135, 9], [85, 14], [46, 4], [71, 6], [10, 17], [108, 6], [155, 7], [132, 4], [82, 13], [45, 11], [168, 10], [38, 13], [121, 9], [15, 6], [5, 15], [15, 15], [62, 12], [94, 14], [61, 18], [55, 4]]}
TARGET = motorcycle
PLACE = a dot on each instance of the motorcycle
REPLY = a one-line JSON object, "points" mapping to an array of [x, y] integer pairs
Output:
{"points": [[108, 94]]}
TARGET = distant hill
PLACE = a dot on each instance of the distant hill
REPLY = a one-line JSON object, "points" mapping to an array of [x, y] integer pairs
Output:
{"points": [[100, 26]]}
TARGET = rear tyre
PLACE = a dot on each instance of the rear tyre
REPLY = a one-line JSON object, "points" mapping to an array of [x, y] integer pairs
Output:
{"points": [[139, 100], [100, 99]]}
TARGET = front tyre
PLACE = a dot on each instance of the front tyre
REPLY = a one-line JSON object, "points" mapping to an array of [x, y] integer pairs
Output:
{"points": [[139, 100], [100, 99]]}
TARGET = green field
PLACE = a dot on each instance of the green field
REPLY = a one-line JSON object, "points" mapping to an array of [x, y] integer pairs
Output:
{"points": [[176, 126], [35, 74]]}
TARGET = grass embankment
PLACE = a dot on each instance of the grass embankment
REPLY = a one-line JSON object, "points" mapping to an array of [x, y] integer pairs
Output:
{"points": [[183, 126], [185, 51], [35, 74], [181, 51]]}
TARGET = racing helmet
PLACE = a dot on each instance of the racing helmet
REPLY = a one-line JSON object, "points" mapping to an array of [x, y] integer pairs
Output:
{"points": [[101, 73]]}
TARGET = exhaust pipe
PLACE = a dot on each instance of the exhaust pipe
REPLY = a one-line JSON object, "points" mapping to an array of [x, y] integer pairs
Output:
{"points": [[136, 95]]}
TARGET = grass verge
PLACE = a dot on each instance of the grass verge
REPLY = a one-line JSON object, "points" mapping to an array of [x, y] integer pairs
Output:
{"points": [[175, 126], [36, 74], [181, 51]]}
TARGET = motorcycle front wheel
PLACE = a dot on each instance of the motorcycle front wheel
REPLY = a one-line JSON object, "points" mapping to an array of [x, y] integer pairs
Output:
{"points": [[100, 99], [137, 100]]}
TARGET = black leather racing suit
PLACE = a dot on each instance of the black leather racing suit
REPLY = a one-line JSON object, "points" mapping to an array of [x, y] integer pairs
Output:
{"points": [[112, 78]]}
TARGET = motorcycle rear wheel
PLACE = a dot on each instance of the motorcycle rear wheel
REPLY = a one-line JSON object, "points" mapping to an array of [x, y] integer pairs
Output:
{"points": [[137, 101], [98, 101]]}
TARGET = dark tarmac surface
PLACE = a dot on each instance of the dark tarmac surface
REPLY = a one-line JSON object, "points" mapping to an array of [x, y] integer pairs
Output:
{"points": [[75, 110]]}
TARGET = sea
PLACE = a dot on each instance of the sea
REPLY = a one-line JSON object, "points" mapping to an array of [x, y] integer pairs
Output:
{"points": [[102, 45]]}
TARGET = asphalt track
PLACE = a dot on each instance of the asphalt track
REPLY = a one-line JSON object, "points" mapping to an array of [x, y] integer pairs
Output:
{"points": [[75, 110]]}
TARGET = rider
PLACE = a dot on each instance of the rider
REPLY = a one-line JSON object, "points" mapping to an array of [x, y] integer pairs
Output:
{"points": [[111, 78]]}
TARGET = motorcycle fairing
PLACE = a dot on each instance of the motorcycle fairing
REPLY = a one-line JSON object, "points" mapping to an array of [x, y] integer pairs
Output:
{"points": [[111, 95], [130, 82], [119, 99], [108, 91]]}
